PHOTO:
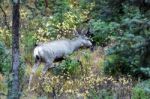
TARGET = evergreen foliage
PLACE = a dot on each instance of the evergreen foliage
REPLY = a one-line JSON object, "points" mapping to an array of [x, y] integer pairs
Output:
{"points": [[130, 53], [141, 90]]}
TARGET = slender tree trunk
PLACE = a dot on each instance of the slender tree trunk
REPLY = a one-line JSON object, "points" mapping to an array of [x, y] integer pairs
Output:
{"points": [[14, 91], [46, 3]]}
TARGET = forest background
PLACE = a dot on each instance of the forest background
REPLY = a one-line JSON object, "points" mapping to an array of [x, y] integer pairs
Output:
{"points": [[117, 66]]}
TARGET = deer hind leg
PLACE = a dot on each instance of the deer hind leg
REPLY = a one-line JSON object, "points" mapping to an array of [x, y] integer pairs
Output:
{"points": [[36, 65], [48, 64]]}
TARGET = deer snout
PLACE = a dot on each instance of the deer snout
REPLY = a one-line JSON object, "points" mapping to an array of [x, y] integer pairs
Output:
{"points": [[88, 44]]}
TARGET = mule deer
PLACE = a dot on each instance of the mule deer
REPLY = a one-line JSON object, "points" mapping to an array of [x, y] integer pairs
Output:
{"points": [[52, 51]]}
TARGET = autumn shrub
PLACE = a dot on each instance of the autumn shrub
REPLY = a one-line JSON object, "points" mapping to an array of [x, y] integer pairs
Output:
{"points": [[3, 86], [5, 35], [141, 90], [60, 23]]}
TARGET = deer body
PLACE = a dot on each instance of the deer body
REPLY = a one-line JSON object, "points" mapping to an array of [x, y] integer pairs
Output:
{"points": [[58, 49], [51, 51]]}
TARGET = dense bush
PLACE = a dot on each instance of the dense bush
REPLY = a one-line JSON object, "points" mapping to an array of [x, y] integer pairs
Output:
{"points": [[128, 57], [101, 94], [103, 31], [5, 60], [141, 90], [69, 67], [130, 54]]}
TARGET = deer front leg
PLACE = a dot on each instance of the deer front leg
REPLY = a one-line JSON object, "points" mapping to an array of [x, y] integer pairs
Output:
{"points": [[36, 65]]}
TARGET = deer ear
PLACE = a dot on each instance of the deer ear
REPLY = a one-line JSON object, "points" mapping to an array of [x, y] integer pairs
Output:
{"points": [[81, 31]]}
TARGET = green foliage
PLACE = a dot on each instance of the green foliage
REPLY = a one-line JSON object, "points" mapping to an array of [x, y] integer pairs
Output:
{"points": [[102, 31], [141, 90], [110, 65], [131, 12], [21, 71], [145, 71], [126, 57], [64, 17], [130, 53], [28, 41], [40, 4], [101, 94], [5, 61], [68, 67]]}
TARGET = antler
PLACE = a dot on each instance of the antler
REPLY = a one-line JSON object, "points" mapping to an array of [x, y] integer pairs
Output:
{"points": [[81, 31]]}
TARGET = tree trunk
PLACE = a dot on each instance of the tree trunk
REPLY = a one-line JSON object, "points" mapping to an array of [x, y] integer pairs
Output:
{"points": [[46, 3], [14, 91]]}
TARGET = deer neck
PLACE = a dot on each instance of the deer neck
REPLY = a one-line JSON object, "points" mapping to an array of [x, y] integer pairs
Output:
{"points": [[75, 44]]}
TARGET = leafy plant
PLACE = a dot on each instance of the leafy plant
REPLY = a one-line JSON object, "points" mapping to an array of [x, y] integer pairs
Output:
{"points": [[5, 61], [68, 67], [127, 56], [100, 94], [102, 31], [141, 90]]}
